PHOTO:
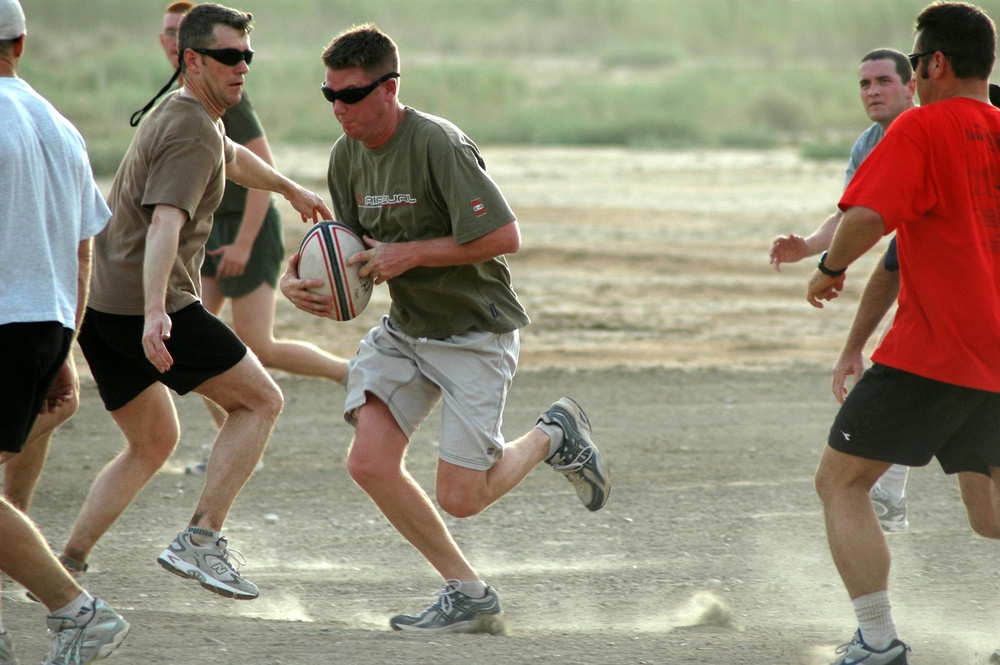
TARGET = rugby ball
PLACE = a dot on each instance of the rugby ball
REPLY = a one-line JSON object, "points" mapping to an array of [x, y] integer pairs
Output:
{"points": [[323, 254]]}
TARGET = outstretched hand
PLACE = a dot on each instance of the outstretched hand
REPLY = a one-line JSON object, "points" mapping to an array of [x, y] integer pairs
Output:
{"points": [[787, 249], [309, 205]]}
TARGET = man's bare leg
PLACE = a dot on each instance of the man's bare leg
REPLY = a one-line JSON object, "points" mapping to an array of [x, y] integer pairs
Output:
{"points": [[253, 402], [857, 543], [376, 464], [149, 423]]}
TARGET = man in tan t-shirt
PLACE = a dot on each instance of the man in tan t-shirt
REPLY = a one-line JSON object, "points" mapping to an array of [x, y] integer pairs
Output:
{"points": [[146, 330]]}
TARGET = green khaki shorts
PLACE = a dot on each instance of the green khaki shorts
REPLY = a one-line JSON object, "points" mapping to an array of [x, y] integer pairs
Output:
{"points": [[265, 258]]}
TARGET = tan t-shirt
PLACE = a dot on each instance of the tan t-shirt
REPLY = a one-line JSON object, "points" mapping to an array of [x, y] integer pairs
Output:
{"points": [[176, 158]]}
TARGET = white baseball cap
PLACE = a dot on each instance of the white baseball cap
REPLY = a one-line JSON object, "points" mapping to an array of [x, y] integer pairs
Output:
{"points": [[11, 19]]}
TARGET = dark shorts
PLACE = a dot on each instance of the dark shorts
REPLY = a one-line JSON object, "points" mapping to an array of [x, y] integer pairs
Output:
{"points": [[201, 345], [31, 358], [891, 259], [899, 417], [266, 255]]}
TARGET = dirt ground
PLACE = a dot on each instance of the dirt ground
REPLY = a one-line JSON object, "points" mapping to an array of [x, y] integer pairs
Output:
{"points": [[706, 376]]}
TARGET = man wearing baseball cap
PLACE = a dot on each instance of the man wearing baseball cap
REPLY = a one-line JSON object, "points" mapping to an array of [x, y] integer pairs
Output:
{"points": [[50, 209]]}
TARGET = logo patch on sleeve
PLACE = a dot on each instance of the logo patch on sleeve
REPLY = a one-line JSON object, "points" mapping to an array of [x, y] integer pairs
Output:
{"points": [[478, 207]]}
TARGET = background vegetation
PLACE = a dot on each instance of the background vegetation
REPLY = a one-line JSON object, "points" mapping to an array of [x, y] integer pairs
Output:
{"points": [[642, 73]]}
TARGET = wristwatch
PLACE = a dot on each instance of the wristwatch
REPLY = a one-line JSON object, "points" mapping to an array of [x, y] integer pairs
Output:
{"points": [[827, 271]]}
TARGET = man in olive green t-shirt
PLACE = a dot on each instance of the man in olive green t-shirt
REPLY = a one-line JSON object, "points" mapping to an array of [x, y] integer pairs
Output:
{"points": [[437, 227]]}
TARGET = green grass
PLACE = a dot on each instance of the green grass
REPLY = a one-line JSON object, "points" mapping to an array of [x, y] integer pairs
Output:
{"points": [[643, 73]]}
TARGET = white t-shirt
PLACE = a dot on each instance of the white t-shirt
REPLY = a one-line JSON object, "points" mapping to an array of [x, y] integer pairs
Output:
{"points": [[49, 204]]}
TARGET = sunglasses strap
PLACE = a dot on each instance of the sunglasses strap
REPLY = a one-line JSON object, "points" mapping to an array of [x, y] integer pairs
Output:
{"points": [[137, 116]]}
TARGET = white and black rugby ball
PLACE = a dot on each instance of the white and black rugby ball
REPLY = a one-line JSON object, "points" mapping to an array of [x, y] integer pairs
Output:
{"points": [[323, 254]]}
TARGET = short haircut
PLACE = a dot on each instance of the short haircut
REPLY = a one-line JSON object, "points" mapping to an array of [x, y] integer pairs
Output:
{"points": [[963, 33], [179, 7], [898, 57], [363, 46], [198, 27]]}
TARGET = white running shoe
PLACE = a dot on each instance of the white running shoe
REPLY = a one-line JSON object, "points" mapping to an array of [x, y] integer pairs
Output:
{"points": [[91, 635], [891, 513], [856, 652], [453, 612], [578, 458], [214, 566]]}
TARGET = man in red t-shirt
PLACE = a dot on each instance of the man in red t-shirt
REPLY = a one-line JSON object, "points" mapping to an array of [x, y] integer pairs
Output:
{"points": [[934, 390]]}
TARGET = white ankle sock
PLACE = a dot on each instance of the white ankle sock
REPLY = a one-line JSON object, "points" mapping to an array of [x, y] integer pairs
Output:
{"points": [[474, 589], [203, 537], [75, 608], [555, 435], [893, 482], [874, 613]]}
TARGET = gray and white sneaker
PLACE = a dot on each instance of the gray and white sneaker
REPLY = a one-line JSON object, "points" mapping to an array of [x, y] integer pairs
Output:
{"points": [[578, 458], [453, 612], [856, 652], [91, 635], [995, 657], [7, 656], [214, 566], [891, 513]]}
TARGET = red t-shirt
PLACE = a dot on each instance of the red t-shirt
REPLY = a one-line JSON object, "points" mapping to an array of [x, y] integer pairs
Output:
{"points": [[935, 180]]}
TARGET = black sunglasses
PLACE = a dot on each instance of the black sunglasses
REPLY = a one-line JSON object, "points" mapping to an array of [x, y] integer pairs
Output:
{"points": [[915, 57], [354, 95], [227, 56]]}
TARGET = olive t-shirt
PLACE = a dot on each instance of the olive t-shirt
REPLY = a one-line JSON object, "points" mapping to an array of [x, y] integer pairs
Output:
{"points": [[242, 126], [177, 157], [429, 181]]}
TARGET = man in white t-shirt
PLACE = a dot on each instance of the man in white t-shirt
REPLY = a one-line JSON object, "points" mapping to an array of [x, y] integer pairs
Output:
{"points": [[50, 209], [887, 88]]}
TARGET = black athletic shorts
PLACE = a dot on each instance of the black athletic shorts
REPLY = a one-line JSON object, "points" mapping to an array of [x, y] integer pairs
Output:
{"points": [[31, 358], [899, 417], [201, 345]]}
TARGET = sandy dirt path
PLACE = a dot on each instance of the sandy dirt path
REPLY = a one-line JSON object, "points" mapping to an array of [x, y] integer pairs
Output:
{"points": [[705, 374]]}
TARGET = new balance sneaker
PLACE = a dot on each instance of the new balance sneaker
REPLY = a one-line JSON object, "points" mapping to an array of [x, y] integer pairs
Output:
{"points": [[891, 513], [454, 612], [856, 652], [7, 656], [214, 566], [83, 639], [76, 569], [578, 458]]}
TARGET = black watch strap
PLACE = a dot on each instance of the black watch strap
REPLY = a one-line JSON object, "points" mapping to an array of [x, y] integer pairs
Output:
{"points": [[827, 271]]}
